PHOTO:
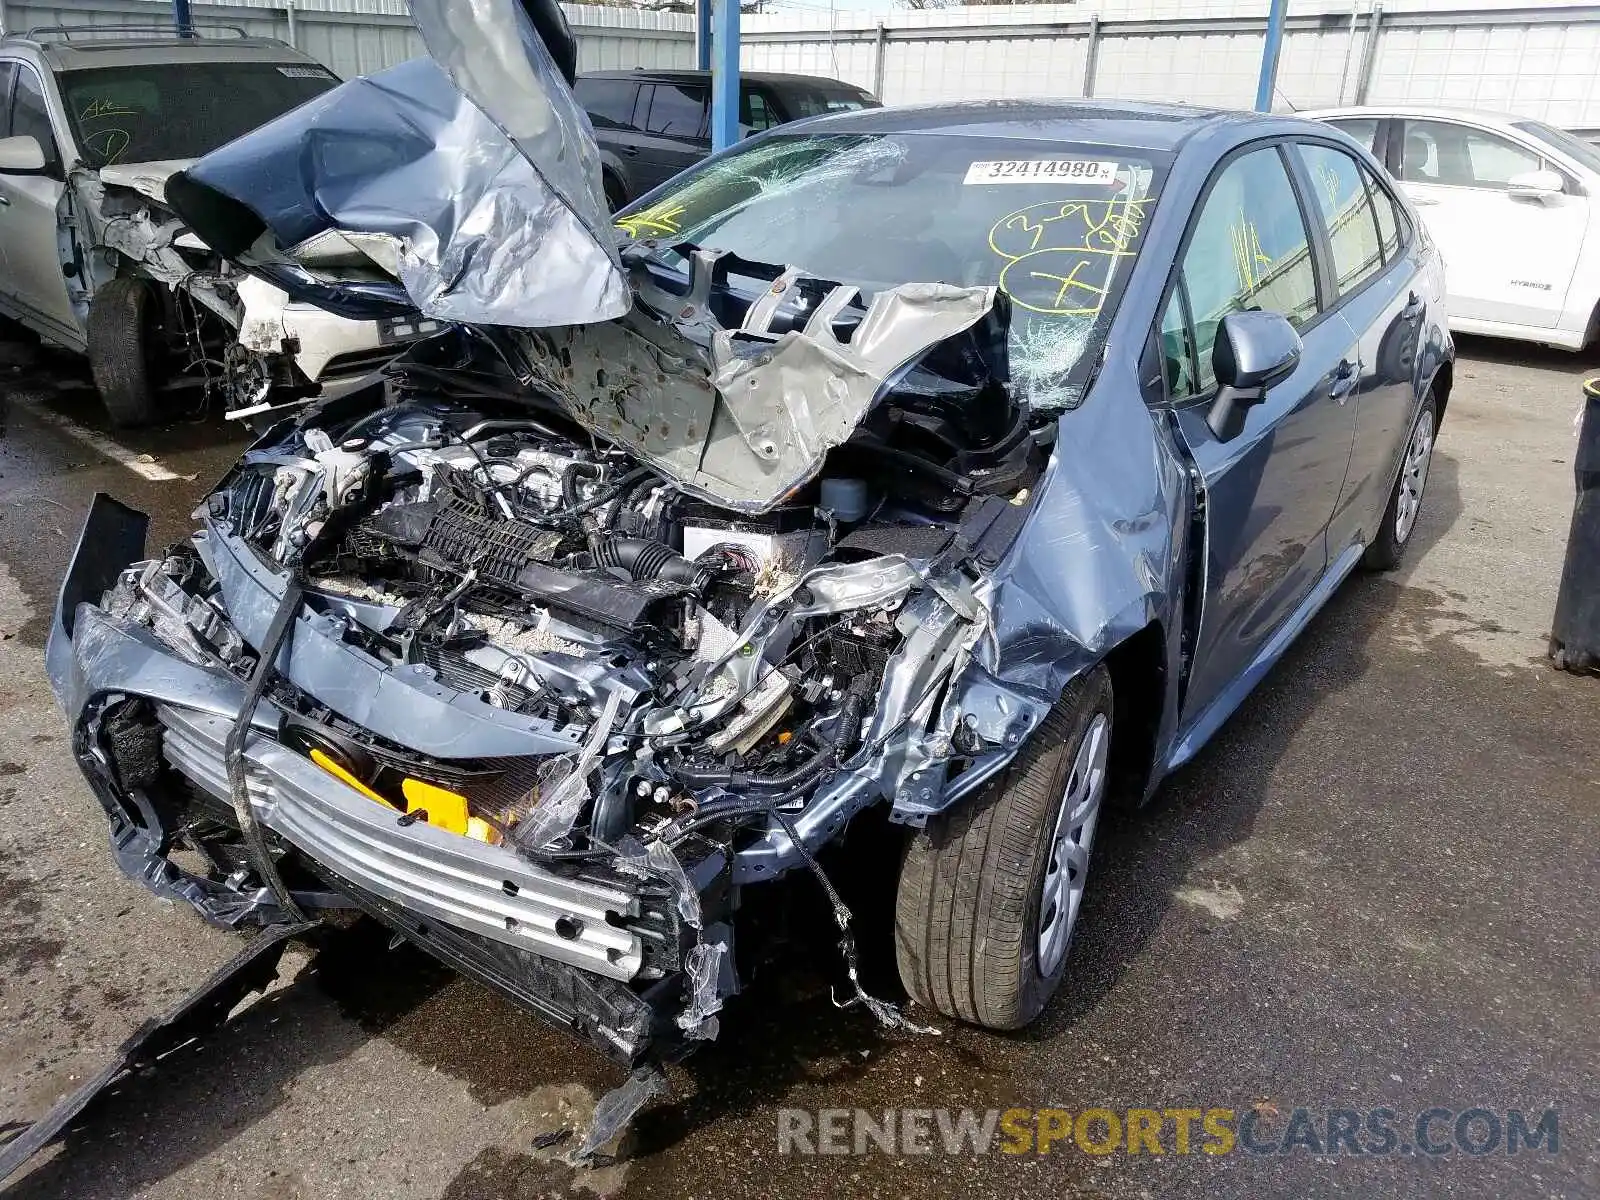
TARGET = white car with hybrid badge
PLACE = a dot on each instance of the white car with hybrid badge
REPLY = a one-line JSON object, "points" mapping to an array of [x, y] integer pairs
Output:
{"points": [[1511, 203]]}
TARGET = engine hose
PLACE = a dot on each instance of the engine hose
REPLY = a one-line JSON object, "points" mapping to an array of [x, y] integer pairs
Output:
{"points": [[643, 558], [642, 486], [569, 493], [842, 741], [611, 490]]}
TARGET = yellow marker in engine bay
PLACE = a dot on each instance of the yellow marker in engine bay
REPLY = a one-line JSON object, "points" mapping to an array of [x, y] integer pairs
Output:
{"points": [[440, 807]]}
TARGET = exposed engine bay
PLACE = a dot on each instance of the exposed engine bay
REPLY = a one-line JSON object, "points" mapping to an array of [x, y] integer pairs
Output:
{"points": [[682, 697], [715, 666]]}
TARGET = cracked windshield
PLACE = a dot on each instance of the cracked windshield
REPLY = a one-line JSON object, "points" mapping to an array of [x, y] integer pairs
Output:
{"points": [[1055, 226]]}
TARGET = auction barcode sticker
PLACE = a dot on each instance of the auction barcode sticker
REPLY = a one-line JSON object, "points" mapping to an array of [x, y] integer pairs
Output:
{"points": [[1032, 170]]}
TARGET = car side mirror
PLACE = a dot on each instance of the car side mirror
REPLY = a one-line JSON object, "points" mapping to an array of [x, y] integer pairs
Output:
{"points": [[21, 154], [1254, 351], [1537, 185]]}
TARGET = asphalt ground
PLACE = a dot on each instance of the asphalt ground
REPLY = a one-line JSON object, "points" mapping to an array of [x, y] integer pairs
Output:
{"points": [[1376, 889]]}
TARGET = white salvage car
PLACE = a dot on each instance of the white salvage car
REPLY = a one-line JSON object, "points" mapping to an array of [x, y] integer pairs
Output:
{"points": [[1514, 205], [92, 125]]}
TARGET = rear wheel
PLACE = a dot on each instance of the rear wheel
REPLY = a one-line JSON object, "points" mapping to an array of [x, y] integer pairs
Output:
{"points": [[124, 339], [1405, 502], [989, 894]]}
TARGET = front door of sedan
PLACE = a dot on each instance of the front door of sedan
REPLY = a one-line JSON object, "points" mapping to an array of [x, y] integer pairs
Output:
{"points": [[1269, 492], [29, 215], [1507, 257]]}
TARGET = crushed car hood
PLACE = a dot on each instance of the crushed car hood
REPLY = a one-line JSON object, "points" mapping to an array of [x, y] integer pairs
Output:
{"points": [[471, 184], [477, 165]]}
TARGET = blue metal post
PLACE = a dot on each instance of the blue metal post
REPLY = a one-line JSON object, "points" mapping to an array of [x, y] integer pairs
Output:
{"points": [[1269, 56], [725, 75], [182, 18], [702, 35]]}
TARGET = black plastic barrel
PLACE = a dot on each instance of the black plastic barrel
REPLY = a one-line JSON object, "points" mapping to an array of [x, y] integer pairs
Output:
{"points": [[1575, 636]]}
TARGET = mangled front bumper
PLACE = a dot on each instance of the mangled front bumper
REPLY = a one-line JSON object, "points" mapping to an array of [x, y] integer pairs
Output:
{"points": [[587, 951]]}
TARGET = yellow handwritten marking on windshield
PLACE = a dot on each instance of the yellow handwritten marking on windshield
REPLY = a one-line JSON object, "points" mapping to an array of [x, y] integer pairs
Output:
{"points": [[106, 108], [657, 219], [1071, 285], [108, 143], [1070, 248]]}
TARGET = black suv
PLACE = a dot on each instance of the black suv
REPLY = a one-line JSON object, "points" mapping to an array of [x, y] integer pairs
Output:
{"points": [[653, 124]]}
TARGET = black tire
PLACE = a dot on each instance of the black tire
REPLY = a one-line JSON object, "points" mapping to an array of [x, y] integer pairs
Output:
{"points": [[1389, 546], [122, 341], [616, 194], [967, 912]]}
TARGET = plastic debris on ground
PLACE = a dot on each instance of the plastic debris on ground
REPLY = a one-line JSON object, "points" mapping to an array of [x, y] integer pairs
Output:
{"points": [[619, 1106]]}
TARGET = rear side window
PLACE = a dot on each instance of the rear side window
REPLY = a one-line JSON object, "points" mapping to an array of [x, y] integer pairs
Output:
{"points": [[1459, 156], [677, 109], [609, 102], [757, 114], [1362, 129], [1391, 221], [1248, 250], [1341, 200]]}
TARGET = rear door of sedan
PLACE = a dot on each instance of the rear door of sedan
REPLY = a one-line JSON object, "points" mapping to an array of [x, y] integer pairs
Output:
{"points": [[673, 114], [1378, 278]]}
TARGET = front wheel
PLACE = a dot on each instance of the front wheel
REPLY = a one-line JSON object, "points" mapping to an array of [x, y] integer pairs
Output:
{"points": [[989, 894], [1405, 501], [123, 337]]}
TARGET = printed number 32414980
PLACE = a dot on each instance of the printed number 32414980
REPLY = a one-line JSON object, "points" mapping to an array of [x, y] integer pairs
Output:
{"points": [[1036, 170]]}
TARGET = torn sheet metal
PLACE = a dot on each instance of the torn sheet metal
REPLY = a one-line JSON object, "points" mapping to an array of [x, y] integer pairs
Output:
{"points": [[499, 61], [206, 1008], [741, 417], [477, 231], [113, 216]]}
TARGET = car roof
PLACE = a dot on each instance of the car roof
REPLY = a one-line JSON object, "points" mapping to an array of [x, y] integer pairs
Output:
{"points": [[1158, 127], [649, 75], [1370, 112], [57, 48]]}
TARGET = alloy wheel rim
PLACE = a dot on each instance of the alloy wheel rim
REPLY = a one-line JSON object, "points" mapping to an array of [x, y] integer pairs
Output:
{"points": [[1414, 477], [1068, 868]]}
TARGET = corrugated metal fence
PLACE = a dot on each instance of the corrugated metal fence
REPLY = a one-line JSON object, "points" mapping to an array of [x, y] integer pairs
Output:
{"points": [[1537, 60]]}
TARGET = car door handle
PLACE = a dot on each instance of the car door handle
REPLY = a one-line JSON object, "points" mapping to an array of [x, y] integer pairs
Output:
{"points": [[1423, 201], [1413, 308], [630, 151], [1343, 381], [5, 200]]}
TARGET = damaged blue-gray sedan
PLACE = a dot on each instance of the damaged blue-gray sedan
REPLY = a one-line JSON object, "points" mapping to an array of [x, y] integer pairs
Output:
{"points": [[969, 463]]}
